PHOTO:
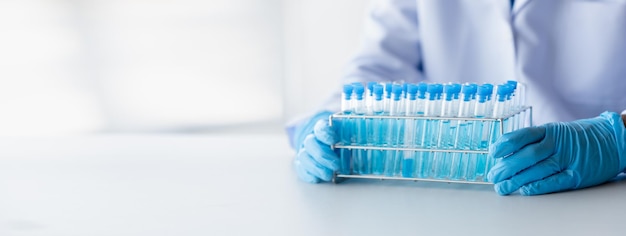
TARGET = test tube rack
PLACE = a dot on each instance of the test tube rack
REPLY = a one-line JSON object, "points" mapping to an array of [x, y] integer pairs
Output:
{"points": [[349, 150]]}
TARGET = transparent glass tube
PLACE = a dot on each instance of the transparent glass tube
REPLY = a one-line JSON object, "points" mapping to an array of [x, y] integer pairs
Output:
{"points": [[500, 109], [447, 128], [345, 131], [378, 126], [361, 162], [430, 130], [480, 140], [392, 158], [408, 160], [463, 138]]}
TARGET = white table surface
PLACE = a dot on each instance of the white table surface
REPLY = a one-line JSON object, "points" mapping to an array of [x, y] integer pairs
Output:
{"points": [[245, 185]]}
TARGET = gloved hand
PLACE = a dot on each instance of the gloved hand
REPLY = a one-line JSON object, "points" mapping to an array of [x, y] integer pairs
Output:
{"points": [[315, 160], [559, 156]]}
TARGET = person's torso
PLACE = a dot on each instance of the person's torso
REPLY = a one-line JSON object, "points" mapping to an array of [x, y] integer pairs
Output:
{"points": [[570, 53]]}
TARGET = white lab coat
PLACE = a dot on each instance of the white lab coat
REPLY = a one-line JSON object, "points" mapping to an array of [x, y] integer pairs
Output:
{"points": [[571, 54]]}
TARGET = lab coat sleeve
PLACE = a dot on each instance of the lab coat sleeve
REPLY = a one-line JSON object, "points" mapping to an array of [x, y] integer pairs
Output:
{"points": [[623, 115], [389, 50]]}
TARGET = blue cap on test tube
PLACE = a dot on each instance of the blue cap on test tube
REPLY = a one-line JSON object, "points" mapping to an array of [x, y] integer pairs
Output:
{"points": [[412, 91], [439, 90], [511, 91], [404, 89], [397, 92], [484, 92], [457, 90], [489, 89], [475, 89], [421, 89], [358, 91], [512, 82], [347, 90], [449, 90], [433, 91], [388, 87], [378, 92], [370, 88], [502, 91], [468, 92]]}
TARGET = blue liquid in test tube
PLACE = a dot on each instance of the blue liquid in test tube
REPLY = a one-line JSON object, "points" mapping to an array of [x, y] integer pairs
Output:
{"points": [[482, 131], [361, 163], [422, 88], [410, 130], [500, 110], [370, 124], [447, 131], [392, 159], [464, 133], [345, 130], [430, 129], [378, 159], [384, 123]]}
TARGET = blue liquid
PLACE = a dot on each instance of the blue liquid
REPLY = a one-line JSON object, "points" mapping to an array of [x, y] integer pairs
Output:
{"points": [[417, 156], [481, 162], [457, 165], [429, 140], [361, 163], [392, 157], [480, 139], [495, 134], [370, 125], [344, 165], [419, 128], [460, 160], [409, 157], [481, 159], [345, 155], [378, 156], [408, 165], [470, 173], [443, 160]]}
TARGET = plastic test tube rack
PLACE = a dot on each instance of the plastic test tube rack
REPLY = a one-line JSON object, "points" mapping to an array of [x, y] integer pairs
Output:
{"points": [[417, 162]]}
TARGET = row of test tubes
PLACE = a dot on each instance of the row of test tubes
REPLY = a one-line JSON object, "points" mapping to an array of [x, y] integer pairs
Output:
{"points": [[383, 118]]}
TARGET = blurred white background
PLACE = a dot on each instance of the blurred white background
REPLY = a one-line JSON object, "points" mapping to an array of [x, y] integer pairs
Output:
{"points": [[89, 66]]}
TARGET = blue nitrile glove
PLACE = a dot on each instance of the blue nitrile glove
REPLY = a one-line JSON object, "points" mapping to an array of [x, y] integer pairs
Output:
{"points": [[315, 160], [559, 156]]}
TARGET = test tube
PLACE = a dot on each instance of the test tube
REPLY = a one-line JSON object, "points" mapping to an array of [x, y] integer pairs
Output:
{"points": [[387, 100], [455, 98], [385, 122], [515, 95], [421, 98], [402, 112], [370, 124], [345, 129], [430, 129], [464, 133], [500, 109], [489, 101], [447, 129], [370, 94], [520, 93], [361, 163], [480, 141], [422, 88], [408, 160], [448, 109], [392, 160], [378, 158]]}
